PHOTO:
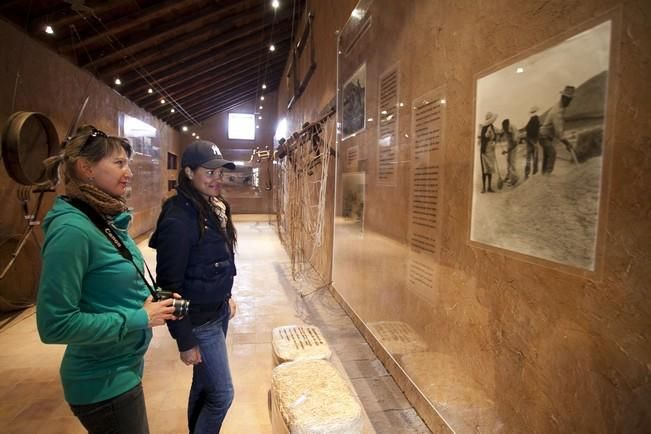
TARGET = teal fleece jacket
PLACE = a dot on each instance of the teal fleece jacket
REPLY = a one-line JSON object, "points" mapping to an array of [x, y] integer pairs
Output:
{"points": [[91, 299]]}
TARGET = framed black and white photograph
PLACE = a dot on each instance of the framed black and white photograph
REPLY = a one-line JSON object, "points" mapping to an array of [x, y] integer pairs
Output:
{"points": [[539, 151], [354, 104]]}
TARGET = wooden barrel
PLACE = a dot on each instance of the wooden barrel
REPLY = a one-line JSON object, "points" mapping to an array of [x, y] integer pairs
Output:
{"points": [[27, 140], [19, 287]]}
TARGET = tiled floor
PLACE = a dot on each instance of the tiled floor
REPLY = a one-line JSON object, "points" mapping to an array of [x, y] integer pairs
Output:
{"points": [[31, 399]]}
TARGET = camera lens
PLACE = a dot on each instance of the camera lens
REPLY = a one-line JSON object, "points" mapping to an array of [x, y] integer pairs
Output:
{"points": [[181, 307]]}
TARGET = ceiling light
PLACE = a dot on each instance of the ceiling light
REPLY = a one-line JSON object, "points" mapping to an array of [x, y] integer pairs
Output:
{"points": [[260, 107], [272, 47], [150, 90], [520, 70], [49, 30], [118, 81], [194, 134], [257, 126], [259, 117], [184, 128], [172, 110], [162, 101], [262, 98], [275, 4], [198, 137], [264, 86]]}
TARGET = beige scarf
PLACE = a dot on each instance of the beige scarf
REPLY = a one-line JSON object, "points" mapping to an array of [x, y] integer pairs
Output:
{"points": [[103, 202]]}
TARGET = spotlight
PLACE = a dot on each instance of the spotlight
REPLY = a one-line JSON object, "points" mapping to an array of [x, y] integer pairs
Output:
{"points": [[162, 101], [49, 30], [118, 81], [275, 4], [272, 47], [150, 90], [184, 128]]}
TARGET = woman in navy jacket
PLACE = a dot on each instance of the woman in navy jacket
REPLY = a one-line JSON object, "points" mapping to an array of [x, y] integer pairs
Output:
{"points": [[195, 242]]}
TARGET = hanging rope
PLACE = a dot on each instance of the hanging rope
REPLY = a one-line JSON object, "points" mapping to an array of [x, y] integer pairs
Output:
{"points": [[302, 201]]}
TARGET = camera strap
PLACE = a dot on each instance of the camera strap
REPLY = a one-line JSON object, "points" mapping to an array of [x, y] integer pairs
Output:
{"points": [[113, 238]]}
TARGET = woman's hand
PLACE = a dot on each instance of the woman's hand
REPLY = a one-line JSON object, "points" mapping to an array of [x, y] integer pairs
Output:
{"points": [[159, 311], [191, 356], [232, 307]]}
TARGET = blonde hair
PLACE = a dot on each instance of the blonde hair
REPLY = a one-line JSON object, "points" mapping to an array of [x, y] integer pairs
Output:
{"points": [[89, 143]]}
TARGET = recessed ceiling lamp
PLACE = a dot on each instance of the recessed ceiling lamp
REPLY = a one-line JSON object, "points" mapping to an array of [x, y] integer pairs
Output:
{"points": [[49, 30]]}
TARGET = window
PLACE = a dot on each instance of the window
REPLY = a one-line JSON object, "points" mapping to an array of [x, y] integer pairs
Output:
{"points": [[241, 126]]}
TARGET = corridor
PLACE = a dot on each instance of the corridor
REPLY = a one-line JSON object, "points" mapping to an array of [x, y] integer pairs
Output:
{"points": [[267, 297]]}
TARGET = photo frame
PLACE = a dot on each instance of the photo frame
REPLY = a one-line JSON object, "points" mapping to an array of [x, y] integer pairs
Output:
{"points": [[354, 103], [539, 150]]}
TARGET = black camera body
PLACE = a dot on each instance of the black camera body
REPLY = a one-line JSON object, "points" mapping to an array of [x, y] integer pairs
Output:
{"points": [[181, 307]]}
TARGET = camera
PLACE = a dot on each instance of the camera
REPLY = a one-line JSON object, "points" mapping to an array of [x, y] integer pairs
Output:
{"points": [[181, 307]]}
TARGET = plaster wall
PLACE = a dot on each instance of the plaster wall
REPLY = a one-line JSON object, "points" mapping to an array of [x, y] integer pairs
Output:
{"points": [[506, 343], [51, 85]]}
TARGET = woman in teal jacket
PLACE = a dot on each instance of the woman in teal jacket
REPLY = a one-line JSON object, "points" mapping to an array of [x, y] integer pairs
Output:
{"points": [[90, 297]]}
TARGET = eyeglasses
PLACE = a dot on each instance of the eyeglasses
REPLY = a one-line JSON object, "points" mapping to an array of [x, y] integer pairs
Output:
{"points": [[94, 133]]}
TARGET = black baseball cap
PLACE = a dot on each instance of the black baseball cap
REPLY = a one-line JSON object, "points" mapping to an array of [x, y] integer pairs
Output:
{"points": [[205, 154]]}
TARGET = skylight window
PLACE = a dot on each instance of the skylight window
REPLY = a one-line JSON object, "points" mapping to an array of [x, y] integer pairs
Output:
{"points": [[241, 126]]}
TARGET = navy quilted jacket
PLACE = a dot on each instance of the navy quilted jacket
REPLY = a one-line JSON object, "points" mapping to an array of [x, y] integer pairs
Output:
{"points": [[198, 267]]}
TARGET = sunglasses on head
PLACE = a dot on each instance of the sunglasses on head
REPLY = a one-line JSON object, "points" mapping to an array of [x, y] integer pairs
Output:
{"points": [[94, 133]]}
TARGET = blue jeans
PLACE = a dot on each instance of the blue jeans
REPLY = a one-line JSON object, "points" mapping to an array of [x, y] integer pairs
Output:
{"points": [[124, 414], [211, 393]]}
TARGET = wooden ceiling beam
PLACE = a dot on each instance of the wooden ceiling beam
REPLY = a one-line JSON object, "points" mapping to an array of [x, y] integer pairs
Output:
{"points": [[232, 56], [72, 17], [203, 106], [223, 22], [154, 62], [232, 75], [130, 22], [216, 95], [190, 104]]}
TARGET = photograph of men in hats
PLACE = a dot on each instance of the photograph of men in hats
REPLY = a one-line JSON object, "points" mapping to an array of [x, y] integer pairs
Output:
{"points": [[544, 179]]}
